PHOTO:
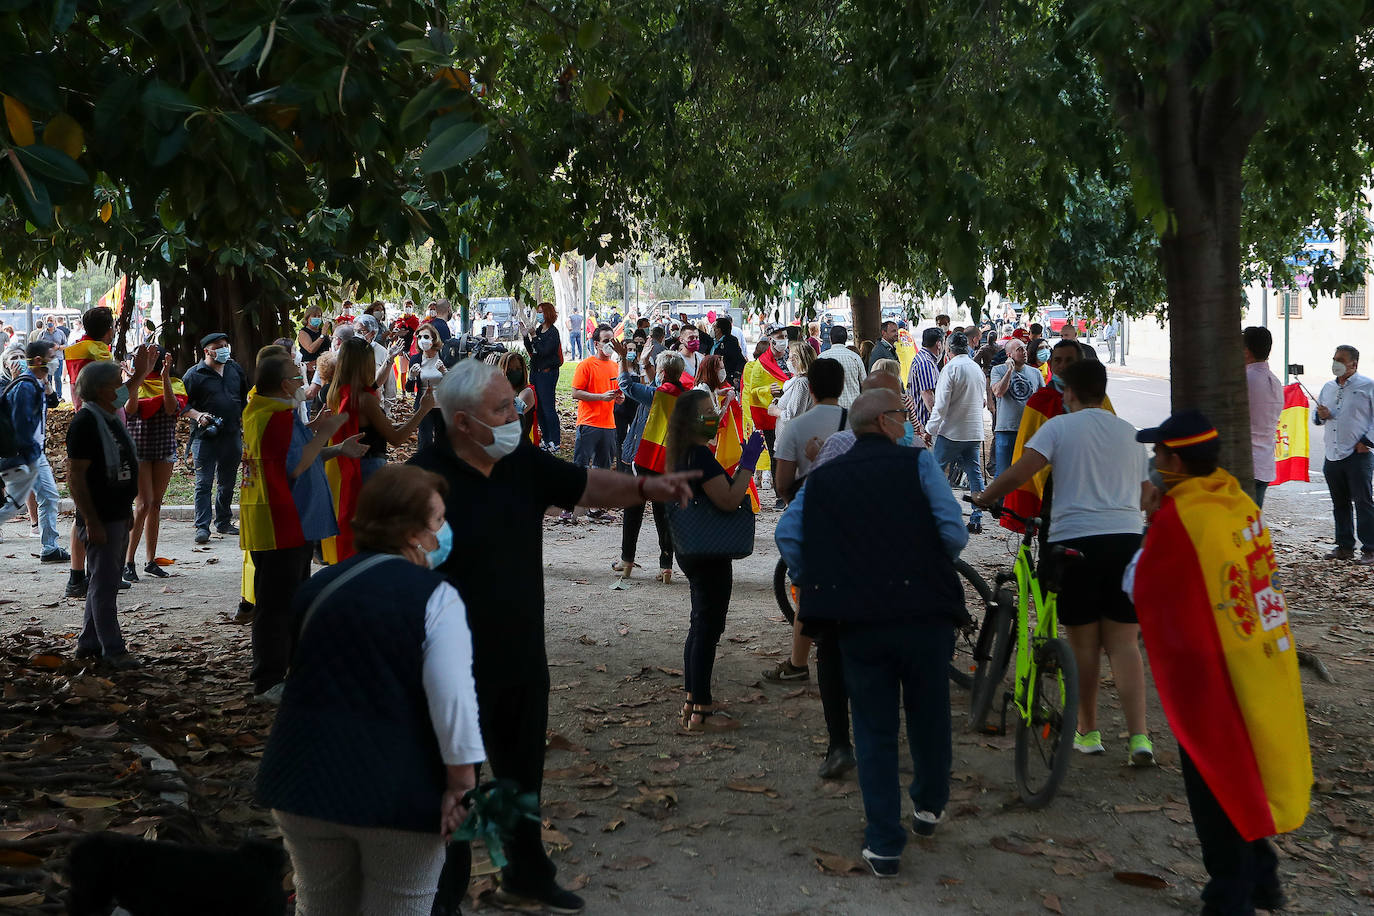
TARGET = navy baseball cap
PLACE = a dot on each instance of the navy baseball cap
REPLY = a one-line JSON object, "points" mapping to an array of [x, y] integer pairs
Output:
{"points": [[1183, 430]]}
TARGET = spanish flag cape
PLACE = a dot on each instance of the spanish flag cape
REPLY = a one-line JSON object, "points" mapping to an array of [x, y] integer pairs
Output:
{"points": [[1042, 406], [1224, 661], [150, 397], [652, 453], [345, 477], [79, 354], [758, 390], [267, 513], [730, 442], [534, 436]]}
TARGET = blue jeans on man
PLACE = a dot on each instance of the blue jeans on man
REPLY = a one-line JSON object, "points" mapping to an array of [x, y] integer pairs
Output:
{"points": [[1349, 482], [575, 345], [968, 456], [1003, 447], [888, 668], [217, 462]]}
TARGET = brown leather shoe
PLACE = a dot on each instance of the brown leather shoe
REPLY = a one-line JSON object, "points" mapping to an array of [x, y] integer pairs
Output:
{"points": [[1342, 553]]}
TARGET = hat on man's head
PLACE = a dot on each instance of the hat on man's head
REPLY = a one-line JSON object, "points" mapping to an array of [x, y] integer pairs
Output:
{"points": [[1021, 334], [1184, 430], [212, 337]]}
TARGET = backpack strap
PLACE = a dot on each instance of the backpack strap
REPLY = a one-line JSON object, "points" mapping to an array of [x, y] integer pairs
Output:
{"points": [[844, 418]]}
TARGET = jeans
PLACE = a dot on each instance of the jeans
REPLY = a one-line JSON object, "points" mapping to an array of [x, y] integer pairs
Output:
{"points": [[594, 447], [1258, 490], [38, 481], [1004, 446], [100, 631], [886, 668], [633, 521], [1349, 483], [276, 576], [967, 456], [217, 467], [1235, 868], [545, 382], [575, 345], [430, 429], [513, 718], [59, 375], [710, 580], [1111, 349]]}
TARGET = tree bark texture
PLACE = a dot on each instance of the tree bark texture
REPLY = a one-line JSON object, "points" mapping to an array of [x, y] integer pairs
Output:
{"points": [[867, 306], [202, 300]]}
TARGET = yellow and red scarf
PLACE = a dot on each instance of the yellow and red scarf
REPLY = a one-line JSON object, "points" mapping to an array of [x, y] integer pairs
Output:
{"points": [[268, 519], [1224, 660], [345, 477]]}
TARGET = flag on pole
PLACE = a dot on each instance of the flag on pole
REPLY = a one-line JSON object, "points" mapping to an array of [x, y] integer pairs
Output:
{"points": [[114, 299], [1291, 445], [730, 444]]}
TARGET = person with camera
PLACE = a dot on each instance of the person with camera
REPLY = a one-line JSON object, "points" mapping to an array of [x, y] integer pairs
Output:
{"points": [[499, 488], [545, 348], [691, 428], [216, 393]]}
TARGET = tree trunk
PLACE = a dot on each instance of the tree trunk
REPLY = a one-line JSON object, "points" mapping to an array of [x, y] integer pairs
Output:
{"points": [[201, 300], [867, 307]]}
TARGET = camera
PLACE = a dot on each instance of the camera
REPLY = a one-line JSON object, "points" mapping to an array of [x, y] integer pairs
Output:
{"points": [[462, 346], [211, 429]]}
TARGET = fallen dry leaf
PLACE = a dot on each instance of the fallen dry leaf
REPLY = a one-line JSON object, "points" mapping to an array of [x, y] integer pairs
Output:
{"points": [[559, 743], [834, 864], [613, 826], [1007, 845], [630, 863], [30, 899], [1051, 903], [1140, 879], [16, 858], [579, 882], [85, 801], [738, 785]]}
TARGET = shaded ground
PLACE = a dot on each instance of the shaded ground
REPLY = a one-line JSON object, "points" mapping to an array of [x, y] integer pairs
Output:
{"points": [[639, 815]]}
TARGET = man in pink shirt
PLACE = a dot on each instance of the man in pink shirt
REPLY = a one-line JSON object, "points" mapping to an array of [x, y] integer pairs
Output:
{"points": [[1266, 404]]}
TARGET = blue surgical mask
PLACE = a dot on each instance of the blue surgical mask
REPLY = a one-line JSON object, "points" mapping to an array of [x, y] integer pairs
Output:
{"points": [[222, 355], [1042, 356], [1058, 383], [908, 435], [316, 322], [121, 397], [436, 557]]}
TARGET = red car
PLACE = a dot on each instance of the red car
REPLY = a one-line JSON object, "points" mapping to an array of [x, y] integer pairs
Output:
{"points": [[1055, 319]]}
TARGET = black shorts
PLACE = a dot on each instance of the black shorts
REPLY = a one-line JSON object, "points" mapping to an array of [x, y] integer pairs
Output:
{"points": [[1090, 588]]}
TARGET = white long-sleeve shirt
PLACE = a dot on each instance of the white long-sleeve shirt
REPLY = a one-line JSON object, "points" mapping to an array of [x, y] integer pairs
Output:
{"points": [[1352, 414], [447, 676], [961, 396]]}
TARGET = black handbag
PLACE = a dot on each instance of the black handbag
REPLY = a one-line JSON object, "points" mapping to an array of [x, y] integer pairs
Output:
{"points": [[703, 530]]}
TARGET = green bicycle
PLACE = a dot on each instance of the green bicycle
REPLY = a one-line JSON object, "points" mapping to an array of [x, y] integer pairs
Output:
{"points": [[1045, 689]]}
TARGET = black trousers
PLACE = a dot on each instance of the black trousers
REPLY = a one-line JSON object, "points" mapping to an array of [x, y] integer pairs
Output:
{"points": [[633, 521], [276, 576], [514, 719], [834, 696], [710, 580], [1237, 868]]}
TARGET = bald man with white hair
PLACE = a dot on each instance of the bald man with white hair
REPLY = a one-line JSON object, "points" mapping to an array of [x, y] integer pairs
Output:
{"points": [[1012, 383], [849, 539]]}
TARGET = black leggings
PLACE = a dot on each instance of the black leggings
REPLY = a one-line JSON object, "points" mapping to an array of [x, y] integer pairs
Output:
{"points": [[834, 696], [710, 579], [770, 439], [634, 521]]}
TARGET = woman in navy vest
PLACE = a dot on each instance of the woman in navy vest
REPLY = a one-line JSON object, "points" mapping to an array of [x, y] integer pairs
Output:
{"points": [[377, 737]]}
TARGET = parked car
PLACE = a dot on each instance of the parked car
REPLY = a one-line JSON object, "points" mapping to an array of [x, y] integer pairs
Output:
{"points": [[1055, 319], [501, 325]]}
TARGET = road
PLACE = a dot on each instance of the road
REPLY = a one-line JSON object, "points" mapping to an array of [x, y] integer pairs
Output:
{"points": [[1142, 401]]}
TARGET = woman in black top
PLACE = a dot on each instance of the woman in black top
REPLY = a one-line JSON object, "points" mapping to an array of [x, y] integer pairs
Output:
{"points": [[691, 428], [545, 348], [311, 340]]}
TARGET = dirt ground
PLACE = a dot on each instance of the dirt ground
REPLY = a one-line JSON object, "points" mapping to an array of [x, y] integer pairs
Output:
{"points": [[644, 819]]}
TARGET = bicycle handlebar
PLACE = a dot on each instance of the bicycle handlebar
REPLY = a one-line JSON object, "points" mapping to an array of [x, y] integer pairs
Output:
{"points": [[999, 511]]}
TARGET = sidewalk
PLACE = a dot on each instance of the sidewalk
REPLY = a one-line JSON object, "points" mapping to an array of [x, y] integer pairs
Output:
{"points": [[1136, 363]]}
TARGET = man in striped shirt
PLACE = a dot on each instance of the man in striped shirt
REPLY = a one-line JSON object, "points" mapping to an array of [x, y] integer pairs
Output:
{"points": [[920, 383]]}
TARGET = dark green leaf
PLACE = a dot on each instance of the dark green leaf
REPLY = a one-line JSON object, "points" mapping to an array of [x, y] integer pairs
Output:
{"points": [[452, 147], [51, 163], [243, 49]]}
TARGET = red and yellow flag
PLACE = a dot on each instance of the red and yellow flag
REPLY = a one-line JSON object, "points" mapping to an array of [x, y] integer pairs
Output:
{"points": [[652, 454], [1291, 447], [345, 477], [1044, 405], [730, 445], [267, 513], [114, 299], [150, 396], [1224, 660], [77, 355]]}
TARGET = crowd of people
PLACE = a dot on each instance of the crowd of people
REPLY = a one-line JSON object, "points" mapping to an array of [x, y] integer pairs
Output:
{"points": [[420, 648]]}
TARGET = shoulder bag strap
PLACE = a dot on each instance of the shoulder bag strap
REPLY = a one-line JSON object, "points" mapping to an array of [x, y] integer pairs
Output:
{"points": [[334, 586], [844, 418]]}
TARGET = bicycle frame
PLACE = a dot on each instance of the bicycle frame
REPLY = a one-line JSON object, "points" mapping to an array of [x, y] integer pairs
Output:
{"points": [[1028, 589]]}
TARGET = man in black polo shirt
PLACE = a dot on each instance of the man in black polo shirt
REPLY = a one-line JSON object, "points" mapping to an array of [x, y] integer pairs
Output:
{"points": [[500, 486], [216, 388]]}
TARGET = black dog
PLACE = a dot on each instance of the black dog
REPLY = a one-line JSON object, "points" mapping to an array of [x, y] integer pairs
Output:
{"points": [[165, 879]]}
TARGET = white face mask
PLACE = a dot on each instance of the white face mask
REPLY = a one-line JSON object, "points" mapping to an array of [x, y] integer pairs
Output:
{"points": [[1337, 368], [607, 349], [299, 395], [506, 438], [425, 342]]}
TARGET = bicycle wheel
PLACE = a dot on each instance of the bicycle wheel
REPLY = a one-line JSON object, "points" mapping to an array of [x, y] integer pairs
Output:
{"points": [[1044, 744], [978, 602], [784, 592], [993, 655]]}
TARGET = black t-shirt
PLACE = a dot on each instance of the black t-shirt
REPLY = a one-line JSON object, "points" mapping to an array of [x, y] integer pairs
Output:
{"points": [[223, 395], [497, 563], [699, 458], [114, 502]]}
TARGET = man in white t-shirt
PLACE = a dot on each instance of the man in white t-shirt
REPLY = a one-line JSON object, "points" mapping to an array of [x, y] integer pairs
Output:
{"points": [[1101, 476], [955, 427], [826, 378], [853, 363]]}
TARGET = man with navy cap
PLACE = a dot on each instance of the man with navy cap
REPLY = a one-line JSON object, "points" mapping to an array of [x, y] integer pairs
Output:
{"points": [[216, 393]]}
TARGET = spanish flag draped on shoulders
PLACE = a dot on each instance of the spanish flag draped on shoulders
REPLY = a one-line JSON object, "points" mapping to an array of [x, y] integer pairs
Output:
{"points": [[150, 396], [652, 454], [760, 376], [730, 440], [345, 477], [1044, 405], [80, 353], [268, 519], [1207, 591]]}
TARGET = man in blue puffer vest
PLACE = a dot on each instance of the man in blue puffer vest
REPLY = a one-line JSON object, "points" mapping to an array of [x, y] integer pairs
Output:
{"points": [[889, 511]]}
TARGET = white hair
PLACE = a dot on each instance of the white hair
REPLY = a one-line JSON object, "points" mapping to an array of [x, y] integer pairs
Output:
{"points": [[366, 323], [464, 386]]}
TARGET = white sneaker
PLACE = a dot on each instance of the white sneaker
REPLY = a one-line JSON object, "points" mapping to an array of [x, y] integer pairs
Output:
{"points": [[34, 532], [768, 480]]}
